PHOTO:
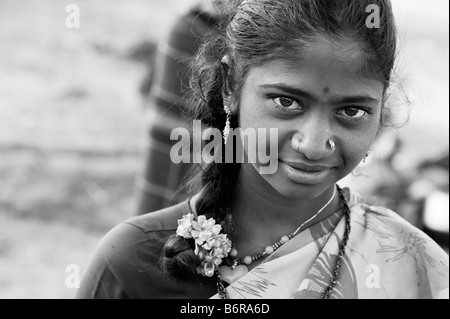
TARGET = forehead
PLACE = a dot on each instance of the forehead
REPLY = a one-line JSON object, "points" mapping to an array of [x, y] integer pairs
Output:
{"points": [[322, 66]]}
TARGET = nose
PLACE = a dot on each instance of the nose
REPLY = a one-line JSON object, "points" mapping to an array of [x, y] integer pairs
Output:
{"points": [[314, 138]]}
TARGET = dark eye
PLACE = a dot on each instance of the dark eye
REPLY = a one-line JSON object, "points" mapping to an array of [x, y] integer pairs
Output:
{"points": [[353, 112], [287, 103]]}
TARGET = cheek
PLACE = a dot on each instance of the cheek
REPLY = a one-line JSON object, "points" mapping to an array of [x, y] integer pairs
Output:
{"points": [[253, 119], [251, 116], [352, 156], [355, 147], [252, 111]]}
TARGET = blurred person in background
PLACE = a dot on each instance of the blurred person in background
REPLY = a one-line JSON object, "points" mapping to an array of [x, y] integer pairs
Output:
{"points": [[167, 79]]}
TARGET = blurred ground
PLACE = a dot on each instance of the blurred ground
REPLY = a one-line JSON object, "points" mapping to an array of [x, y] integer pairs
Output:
{"points": [[72, 133]]}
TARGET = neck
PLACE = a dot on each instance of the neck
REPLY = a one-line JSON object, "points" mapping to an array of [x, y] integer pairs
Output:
{"points": [[262, 215]]}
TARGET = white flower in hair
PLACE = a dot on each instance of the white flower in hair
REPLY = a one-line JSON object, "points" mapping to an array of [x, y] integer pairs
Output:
{"points": [[185, 226], [210, 246]]}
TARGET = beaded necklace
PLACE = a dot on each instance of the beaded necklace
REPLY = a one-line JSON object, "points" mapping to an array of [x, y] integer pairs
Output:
{"points": [[223, 294], [248, 260]]}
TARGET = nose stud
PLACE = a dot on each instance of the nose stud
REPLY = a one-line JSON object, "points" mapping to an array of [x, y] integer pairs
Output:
{"points": [[332, 145], [296, 144]]}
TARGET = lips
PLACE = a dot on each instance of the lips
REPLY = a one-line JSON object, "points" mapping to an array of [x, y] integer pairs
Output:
{"points": [[305, 174], [308, 168]]}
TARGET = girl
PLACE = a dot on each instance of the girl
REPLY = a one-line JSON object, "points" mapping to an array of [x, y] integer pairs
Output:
{"points": [[317, 71]]}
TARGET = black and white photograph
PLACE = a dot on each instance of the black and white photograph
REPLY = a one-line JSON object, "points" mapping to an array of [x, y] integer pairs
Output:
{"points": [[224, 149]]}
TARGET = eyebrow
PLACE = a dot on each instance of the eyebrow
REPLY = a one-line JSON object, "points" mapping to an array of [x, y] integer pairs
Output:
{"points": [[334, 100]]}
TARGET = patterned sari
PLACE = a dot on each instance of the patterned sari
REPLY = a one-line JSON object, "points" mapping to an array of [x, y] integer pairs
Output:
{"points": [[386, 258]]}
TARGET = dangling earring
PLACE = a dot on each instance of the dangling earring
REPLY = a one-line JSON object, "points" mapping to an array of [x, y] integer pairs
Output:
{"points": [[226, 130], [367, 156]]}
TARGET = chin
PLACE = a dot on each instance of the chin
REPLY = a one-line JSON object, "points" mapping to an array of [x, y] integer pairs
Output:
{"points": [[292, 190]]}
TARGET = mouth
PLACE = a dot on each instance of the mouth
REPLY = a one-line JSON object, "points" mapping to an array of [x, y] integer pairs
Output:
{"points": [[305, 174], [308, 168]]}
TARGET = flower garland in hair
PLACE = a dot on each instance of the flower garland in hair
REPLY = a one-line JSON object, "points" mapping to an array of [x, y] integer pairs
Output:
{"points": [[210, 246]]}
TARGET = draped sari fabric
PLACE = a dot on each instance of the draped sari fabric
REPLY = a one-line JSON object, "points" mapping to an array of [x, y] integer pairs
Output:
{"points": [[385, 258]]}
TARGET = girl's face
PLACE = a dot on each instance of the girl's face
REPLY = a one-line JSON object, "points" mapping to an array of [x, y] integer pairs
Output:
{"points": [[319, 97]]}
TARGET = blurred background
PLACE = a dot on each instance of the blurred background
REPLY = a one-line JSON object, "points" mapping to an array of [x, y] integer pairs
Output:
{"points": [[73, 134]]}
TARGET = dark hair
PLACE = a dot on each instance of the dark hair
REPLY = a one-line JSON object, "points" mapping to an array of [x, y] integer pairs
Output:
{"points": [[178, 258], [252, 32]]}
